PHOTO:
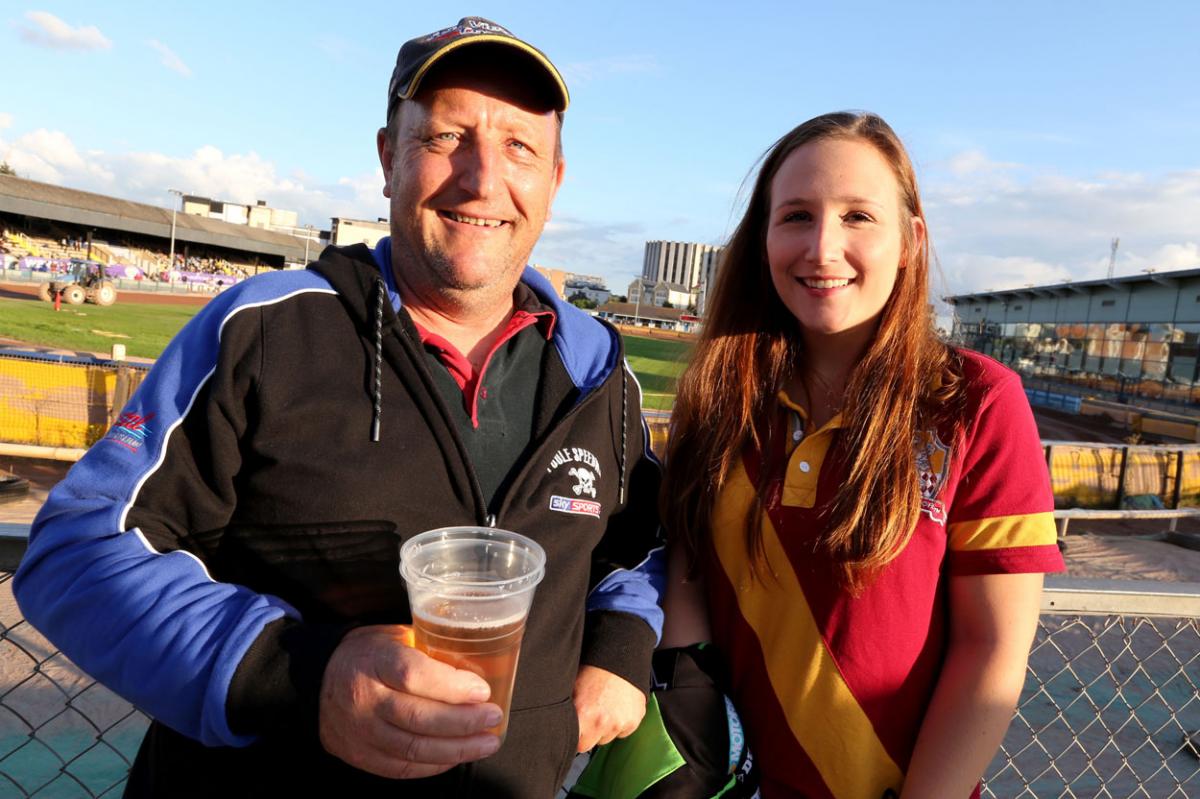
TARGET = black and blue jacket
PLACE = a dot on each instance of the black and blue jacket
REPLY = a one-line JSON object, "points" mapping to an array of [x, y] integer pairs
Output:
{"points": [[204, 559]]}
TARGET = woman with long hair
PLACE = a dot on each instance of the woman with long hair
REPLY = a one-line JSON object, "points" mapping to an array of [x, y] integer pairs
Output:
{"points": [[859, 514]]}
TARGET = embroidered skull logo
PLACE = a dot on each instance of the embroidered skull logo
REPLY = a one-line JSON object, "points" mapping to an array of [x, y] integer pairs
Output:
{"points": [[586, 484]]}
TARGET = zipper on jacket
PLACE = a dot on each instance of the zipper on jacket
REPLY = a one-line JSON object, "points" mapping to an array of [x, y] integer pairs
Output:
{"points": [[415, 351]]}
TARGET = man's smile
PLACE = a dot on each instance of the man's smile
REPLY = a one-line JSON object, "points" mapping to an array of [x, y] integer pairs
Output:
{"points": [[471, 220]]}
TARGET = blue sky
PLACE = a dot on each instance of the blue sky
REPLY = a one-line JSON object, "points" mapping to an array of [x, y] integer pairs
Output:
{"points": [[1040, 131]]}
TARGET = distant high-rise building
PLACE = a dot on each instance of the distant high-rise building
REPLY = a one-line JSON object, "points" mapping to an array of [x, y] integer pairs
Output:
{"points": [[683, 266]]}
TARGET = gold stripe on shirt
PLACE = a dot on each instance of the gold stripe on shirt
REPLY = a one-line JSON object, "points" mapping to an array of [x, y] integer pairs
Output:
{"points": [[1001, 532], [822, 713]]}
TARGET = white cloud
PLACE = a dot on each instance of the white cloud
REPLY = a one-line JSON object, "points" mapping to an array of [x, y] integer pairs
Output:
{"points": [[982, 272], [51, 157], [1002, 225], [47, 30], [367, 191], [169, 59], [6, 120], [973, 162], [1185, 255], [612, 250], [580, 72]]}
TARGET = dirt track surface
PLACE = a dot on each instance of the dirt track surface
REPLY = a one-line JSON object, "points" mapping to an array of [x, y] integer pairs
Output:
{"points": [[1062, 426], [28, 291], [42, 476]]}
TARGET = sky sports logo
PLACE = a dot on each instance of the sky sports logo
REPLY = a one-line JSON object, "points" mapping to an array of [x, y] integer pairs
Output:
{"points": [[581, 507]]}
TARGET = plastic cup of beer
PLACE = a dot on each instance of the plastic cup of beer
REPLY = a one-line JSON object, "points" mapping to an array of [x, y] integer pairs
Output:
{"points": [[470, 589]]}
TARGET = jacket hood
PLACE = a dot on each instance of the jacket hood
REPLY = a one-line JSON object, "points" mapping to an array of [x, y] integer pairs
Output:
{"points": [[590, 350]]}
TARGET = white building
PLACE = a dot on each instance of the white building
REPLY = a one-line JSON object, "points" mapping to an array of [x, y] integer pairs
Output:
{"points": [[260, 215], [677, 272], [591, 287], [344, 231]]}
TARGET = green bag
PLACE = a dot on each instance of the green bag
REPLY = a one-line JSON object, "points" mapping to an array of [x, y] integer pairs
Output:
{"points": [[690, 745]]}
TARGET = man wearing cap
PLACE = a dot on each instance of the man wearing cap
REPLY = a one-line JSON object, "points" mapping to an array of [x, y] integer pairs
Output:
{"points": [[226, 556]]}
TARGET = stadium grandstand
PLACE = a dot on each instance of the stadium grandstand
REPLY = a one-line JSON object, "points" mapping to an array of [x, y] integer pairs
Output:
{"points": [[1135, 337], [43, 226]]}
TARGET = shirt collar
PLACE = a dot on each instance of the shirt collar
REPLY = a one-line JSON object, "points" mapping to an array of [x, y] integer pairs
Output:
{"points": [[525, 301], [785, 400]]}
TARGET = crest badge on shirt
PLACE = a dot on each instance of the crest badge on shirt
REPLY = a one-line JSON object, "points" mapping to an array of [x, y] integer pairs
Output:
{"points": [[933, 466], [579, 470]]}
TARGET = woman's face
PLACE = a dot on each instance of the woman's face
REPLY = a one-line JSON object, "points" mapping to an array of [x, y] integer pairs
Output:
{"points": [[834, 235]]}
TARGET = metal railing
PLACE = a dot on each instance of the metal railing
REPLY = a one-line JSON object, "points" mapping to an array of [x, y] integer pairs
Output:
{"points": [[1111, 696], [1064, 516]]}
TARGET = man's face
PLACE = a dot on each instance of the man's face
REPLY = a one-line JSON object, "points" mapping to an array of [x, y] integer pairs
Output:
{"points": [[470, 170]]}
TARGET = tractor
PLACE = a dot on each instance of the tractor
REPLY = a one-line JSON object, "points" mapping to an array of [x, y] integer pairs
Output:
{"points": [[85, 281]]}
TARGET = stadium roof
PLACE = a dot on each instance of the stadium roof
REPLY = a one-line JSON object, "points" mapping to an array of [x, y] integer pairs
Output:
{"points": [[643, 310], [71, 206], [1123, 283]]}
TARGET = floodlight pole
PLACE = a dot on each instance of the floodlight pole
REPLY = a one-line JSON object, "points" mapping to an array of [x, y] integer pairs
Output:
{"points": [[173, 210], [637, 311]]}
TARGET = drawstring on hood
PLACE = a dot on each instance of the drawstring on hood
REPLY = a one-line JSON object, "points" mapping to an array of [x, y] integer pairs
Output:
{"points": [[377, 393], [624, 433]]}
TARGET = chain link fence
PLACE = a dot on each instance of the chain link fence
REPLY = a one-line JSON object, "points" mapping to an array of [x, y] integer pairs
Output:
{"points": [[1109, 703], [62, 401], [61, 734], [1107, 711]]}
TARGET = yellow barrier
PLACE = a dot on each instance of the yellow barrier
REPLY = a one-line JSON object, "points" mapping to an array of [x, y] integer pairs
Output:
{"points": [[1084, 477], [1189, 485], [67, 403], [72, 403], [658, 437]]}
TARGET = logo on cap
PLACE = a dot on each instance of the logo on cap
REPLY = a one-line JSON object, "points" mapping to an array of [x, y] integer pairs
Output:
{"points": [[466, 27]]}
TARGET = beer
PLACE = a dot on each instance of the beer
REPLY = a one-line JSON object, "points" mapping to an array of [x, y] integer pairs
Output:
{"points": [[450, 631], [470, 590]]}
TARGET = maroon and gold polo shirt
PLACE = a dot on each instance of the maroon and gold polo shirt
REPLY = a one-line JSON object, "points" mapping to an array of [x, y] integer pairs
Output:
{"points": [[833, 688]]}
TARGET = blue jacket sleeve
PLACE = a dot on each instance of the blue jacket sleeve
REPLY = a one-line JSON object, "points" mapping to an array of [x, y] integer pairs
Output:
{"points": [[131, 605], [624, 615]]}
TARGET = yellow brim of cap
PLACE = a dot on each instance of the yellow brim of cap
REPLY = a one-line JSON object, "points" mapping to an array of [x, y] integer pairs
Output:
{"points": [[489, 38]]}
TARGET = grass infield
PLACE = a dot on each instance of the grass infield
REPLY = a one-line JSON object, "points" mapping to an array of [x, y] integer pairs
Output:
{"points": [[657, 363], [145, 330]]}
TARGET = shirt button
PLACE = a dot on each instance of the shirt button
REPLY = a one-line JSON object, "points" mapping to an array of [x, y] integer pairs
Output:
{"points": [[804, 467]]}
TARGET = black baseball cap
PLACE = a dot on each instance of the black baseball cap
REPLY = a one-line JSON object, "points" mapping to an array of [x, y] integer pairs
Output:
{"points": [[418, 55]]}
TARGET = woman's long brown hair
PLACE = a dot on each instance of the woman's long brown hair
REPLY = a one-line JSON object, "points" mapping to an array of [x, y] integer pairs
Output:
{"points": [[907, 381]]}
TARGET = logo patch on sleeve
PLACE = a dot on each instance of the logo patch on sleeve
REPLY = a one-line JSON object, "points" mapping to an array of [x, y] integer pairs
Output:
{"points": [[130, 431]]}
